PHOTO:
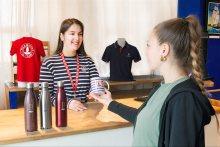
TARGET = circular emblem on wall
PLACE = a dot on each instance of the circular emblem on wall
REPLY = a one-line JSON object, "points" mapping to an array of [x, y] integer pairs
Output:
{"points": [[27, 50]]}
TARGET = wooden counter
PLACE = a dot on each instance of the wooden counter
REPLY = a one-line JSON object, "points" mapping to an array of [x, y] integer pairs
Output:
{"points": [[96, 118]]}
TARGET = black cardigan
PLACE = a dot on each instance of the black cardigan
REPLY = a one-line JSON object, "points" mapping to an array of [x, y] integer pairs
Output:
{"points": [[183, 115]]}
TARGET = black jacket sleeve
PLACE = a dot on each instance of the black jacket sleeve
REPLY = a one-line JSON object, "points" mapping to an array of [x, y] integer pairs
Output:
{"points": [[124, 111], [186, 122]]}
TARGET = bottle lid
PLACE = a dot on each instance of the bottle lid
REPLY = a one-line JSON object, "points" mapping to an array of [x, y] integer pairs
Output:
{"points": [[60, 83], [30, 85], [44, 84]]}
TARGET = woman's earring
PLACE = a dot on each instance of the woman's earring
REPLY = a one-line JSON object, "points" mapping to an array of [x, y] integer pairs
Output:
{"points": [[163, 58]]}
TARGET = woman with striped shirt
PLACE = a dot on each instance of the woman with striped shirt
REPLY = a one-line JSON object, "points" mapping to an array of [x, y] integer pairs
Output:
{"points": [[70, 64]]}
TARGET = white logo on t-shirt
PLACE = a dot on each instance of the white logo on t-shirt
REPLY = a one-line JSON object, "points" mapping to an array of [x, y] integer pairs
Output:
{"points": [[27, 50], [128, 55], [83, 68]]}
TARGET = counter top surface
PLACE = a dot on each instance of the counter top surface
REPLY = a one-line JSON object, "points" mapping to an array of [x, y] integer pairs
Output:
{"points": [[96, 118]]}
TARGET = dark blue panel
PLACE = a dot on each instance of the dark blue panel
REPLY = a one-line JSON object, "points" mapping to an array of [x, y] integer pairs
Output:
{"points": [[195, 7], [13, 100], [202, 13], [213, 64]]}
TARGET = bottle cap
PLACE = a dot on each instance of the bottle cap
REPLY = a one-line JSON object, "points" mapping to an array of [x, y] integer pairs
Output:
{"points": [[60, 83], [44, 84], [30, 85]]}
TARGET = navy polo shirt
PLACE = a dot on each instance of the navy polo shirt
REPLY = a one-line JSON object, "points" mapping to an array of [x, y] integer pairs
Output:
{"points": [[121, 61]]}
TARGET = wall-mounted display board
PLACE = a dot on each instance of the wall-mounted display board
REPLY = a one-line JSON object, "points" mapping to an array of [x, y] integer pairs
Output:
{"points": [[212, 19]]}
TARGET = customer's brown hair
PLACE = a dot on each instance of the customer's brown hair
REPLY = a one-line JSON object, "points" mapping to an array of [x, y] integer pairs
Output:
{"points": [[184, 37], [66, 24]]}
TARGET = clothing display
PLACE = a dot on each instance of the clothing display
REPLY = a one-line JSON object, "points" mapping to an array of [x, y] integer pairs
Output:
{"points": [[53, 70], [121, 61], [175, 126], [28, 52]]}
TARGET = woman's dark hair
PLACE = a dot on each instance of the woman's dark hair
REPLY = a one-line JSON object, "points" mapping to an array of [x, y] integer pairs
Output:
{"points": [[184, 37], [66, 24]]}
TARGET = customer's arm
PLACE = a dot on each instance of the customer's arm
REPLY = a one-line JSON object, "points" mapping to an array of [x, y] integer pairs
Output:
{"points": [[124, 111]]}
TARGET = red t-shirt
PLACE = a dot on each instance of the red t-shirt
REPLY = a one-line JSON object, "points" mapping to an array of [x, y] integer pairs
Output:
{"points": [[28, 51]]}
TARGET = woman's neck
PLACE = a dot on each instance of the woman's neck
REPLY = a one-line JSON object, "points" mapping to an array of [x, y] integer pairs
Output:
{"points": [[68, 53], [172, 73]]}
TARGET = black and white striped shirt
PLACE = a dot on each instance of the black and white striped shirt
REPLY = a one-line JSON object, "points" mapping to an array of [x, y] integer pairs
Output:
{"points": [[53, 70]]}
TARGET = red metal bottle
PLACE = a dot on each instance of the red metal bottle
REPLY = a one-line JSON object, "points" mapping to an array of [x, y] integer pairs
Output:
{"points": [[30, 109], [61, 105]]}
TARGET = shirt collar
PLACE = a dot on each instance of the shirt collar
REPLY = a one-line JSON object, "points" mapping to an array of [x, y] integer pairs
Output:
{"points": [[117, 45]]}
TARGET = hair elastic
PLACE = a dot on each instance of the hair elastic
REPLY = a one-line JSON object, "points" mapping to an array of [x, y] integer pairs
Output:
{"points": [[185, 21]]}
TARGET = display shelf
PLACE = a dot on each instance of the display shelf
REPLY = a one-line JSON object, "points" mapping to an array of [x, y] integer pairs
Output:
{"points": [[12, 87], [215, 37], [143, 80], [130, 93]]}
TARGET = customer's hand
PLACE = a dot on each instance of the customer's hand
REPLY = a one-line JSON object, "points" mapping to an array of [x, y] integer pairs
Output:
{"points": [[77, 106], [104, 98]]}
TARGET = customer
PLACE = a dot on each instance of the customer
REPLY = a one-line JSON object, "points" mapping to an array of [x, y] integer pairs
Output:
{"points": [[177, 109], [70, 50]]}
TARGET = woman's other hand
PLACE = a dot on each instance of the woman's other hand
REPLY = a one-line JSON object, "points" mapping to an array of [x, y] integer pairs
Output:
{"points": [[104, 98], [77, 106]]}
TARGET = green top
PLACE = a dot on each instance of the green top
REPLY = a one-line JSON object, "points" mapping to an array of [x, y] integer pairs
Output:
{"points": [[147, 126]]}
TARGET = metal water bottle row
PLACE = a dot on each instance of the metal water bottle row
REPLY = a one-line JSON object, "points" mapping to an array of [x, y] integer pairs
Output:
{"points": [[30, 107]]}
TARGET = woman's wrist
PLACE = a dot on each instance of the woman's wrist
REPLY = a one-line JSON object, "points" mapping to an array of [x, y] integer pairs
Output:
{"points": [[109, 102], [68, 103]]}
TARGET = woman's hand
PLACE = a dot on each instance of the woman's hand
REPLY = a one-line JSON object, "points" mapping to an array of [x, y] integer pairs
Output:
{"points": [[77, 106], [104, 98]]}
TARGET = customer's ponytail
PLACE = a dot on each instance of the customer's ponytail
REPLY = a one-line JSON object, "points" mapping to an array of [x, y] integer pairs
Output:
{"points": [[195, 43]]}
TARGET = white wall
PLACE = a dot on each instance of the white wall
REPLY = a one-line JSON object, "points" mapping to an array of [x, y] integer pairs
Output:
{"points": [[104, 22]]}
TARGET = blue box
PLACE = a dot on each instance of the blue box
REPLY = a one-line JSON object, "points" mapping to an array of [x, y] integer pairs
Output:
{"points": [[13, 100]]}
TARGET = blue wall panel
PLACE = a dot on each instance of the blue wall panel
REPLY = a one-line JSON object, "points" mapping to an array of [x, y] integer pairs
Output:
{"points": [[213, 65], [194, 7]]}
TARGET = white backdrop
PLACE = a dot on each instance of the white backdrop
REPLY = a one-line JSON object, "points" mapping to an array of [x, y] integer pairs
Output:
{"points": [[104, 20]]}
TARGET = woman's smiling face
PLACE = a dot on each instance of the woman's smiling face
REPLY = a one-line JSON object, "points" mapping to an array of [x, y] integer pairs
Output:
{"points": [[72, 38]]}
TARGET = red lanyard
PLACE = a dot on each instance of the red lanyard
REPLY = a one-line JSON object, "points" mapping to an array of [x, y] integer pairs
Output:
{"points": [[68, 72]]}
